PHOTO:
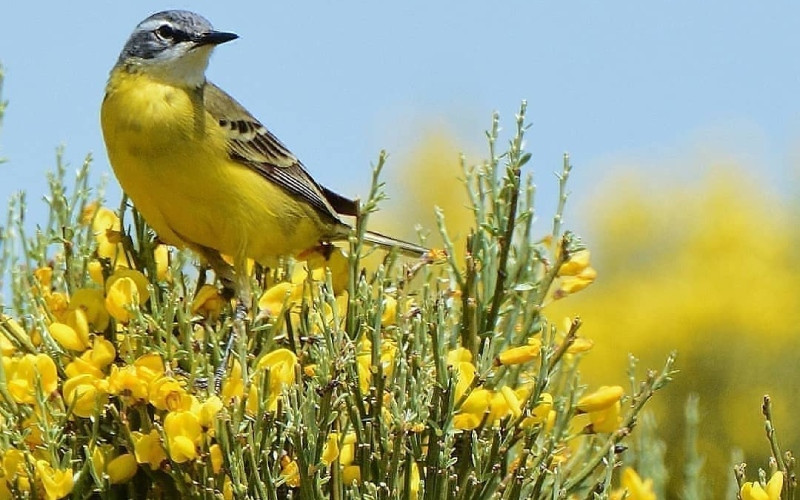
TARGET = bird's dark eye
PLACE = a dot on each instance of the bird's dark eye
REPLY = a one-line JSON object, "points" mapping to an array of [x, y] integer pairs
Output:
{"points": [[165, 32]]}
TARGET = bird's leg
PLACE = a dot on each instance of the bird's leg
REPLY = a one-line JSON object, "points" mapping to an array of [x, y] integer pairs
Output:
{"points": [[235, 283], [239, 331], [241, 287]]}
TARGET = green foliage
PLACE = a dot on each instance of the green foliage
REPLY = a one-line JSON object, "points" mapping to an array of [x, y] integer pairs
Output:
{"points": [[429, 379]]}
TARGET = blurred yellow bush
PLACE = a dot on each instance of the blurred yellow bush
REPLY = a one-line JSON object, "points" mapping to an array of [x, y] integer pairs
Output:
{"points": [[707, 267], [432, 172]]}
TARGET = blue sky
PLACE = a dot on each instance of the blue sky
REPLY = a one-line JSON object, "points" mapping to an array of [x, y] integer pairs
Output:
{"points": [[614, 83]]}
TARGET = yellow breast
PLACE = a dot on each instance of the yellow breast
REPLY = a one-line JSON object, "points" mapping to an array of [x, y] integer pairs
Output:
{"points": [[171, 158]]}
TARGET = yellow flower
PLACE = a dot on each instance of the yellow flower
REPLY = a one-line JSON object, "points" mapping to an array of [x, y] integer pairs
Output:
{"points": [[5, 493], [57, 482], [290, 472], [85, 393], [122, 468], [98, 461], [550, 422], [92, 302], [775, 486], [88, 213], [124, 381], [389, 316], [364, 361], [330, 451], [161, 256], [364, 373], [183, 432], [149, 367], [101, 354], [347, 449], [108, 235], [754, 490], [138, 279], [272, 300], [459, 354], [493, 405], [77, 319], [57, 303], [414, 483], [581, 344], [576, 263], [7, 347], [602, 409], [227, 489], [498, 407], [209, 410], [351, 474], [519, 355], [14, 469], [148, 449], [125, 289], [14, 461], [68, 338], [477, 402], [512, 401], [95, 269], [541, 411], [134, 380], [635, 488], [600, 399], [466, 421], [215, 453], [466, 376], [606, 420], [166, 393], [233, 386], [79, 366], [281, 365], [253, 400], [208, 303], [44, 275], [21, 375], [574, 284]]}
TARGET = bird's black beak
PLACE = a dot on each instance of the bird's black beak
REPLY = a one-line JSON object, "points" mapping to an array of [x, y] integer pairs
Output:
{"points": [[215, 38]]}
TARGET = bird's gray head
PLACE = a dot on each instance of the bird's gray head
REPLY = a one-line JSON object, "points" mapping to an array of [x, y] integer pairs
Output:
{"points": [[173, 45]]}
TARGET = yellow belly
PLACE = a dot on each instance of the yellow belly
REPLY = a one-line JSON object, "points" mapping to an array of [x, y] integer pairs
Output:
{"points": [[171, 158]]}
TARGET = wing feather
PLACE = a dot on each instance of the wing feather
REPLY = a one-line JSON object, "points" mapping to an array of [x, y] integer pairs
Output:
{"points": [[251, 144]]}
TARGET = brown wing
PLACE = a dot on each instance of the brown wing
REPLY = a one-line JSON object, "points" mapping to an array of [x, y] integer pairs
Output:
{"points": [[250, 143]]}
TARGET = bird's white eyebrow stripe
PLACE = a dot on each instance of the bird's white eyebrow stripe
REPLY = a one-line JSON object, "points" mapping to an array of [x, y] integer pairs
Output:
{"points": [[153, 24]]}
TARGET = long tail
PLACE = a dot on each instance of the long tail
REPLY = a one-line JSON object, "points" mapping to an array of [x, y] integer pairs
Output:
{"points": [[389, 242]]}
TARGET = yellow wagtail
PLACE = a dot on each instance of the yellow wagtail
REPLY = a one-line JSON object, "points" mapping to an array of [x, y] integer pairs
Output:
{"points": [[203, 172]]}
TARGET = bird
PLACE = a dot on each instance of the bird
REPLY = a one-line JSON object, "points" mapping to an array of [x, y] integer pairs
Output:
{"points": [[202, 170]]}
